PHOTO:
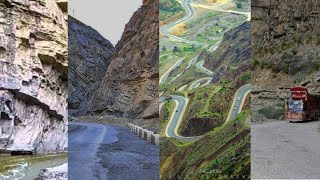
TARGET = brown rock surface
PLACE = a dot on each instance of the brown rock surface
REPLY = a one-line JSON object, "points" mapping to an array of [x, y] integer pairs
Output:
{"points": [[286, 53], [130, 85], [233, 56], [33, 76]]}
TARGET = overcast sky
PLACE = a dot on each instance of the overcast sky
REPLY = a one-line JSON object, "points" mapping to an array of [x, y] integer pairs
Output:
{"points": [[108, 17]]}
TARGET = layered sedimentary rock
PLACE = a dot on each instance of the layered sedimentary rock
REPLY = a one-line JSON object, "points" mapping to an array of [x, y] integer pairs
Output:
{"points": [[286, 46], [130, 85], [233, 56], [33, 76], [286, 36], [89, 58]]}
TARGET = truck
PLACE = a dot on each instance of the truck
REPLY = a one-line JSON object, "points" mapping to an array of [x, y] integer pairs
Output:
{"points": [[302, 106]]}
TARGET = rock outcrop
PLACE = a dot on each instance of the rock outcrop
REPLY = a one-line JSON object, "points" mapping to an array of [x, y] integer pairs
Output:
{"points": [[58, 173], [233, 56], [89, 58], [33, 76], [286, 36], [286, 46], [130, 85]]}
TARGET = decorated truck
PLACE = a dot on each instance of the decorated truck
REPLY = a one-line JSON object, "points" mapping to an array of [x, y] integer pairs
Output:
{"points": [[302, 106]]}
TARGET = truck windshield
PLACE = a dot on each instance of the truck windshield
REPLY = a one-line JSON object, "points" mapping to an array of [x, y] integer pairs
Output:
{"points": [[295, 105]]}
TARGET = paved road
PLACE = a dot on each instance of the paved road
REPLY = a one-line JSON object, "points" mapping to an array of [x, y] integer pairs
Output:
{"points": [[182, 88], [238, 101], [109, 152], [165, 76], [196, 83], [190, 13], [219, 9], [176, 118], [282, 150], [192, 61], [200, 66], [214, 47], [182, 102]]}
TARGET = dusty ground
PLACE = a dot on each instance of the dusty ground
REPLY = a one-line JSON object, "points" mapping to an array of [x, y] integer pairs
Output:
{"points": [[282, 150], [114, 120]]}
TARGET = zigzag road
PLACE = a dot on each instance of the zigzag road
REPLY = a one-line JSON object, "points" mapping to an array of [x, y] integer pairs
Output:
{"points": [[182, 102]]}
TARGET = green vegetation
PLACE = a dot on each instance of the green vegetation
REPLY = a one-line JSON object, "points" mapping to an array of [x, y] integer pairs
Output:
{"points": [[273, 112], [245, 76], [200, 102], [222, 153], [203, 18], [210, 33], [180, 143], [168, 106], [242, 5], [169, 8]]}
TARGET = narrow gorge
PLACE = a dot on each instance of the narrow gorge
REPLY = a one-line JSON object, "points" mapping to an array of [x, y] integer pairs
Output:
{"points": [[124, 80]]}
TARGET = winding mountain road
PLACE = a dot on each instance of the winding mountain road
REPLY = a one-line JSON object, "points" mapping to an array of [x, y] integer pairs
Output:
{"points": [[190, 13], [197, 83], [238, 101], [203, 69], [176, 118], [181, 105], [165, 76], [182, 102]]}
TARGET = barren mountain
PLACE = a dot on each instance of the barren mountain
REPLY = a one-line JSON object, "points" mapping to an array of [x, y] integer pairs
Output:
{"points": [[89, 57], [130, 85]]}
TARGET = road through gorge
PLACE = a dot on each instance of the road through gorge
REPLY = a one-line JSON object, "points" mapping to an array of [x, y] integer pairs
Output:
{"points": [[110, 152]]}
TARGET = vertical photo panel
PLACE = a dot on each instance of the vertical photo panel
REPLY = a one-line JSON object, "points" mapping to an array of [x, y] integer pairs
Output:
{"points": [[113, 84], [285, 98], [33, 89], [205, 58]]}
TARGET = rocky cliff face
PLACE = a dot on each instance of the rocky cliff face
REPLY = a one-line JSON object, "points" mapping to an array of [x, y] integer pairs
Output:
{"points": [[233, 56], [286, 46], [89, 58], [33, 75], [130, 85]]}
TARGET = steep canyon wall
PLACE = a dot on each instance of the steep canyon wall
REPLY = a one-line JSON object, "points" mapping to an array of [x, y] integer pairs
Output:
{"points": [[33, 75]]}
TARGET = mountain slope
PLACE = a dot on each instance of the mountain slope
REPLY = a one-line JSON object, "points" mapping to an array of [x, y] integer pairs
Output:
{"points": [[286, 46], [130, 85], [233, 56], [222, 153], [89, 57]]}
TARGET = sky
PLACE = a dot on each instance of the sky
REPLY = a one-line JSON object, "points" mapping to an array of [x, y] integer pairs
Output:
{"points": [[108, 17]]}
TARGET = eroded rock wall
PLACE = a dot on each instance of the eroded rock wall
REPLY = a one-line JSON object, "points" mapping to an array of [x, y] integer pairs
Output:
{"points": [[89, 57], [33, 75], [130, 85], [286, 36], [286, 53]]}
